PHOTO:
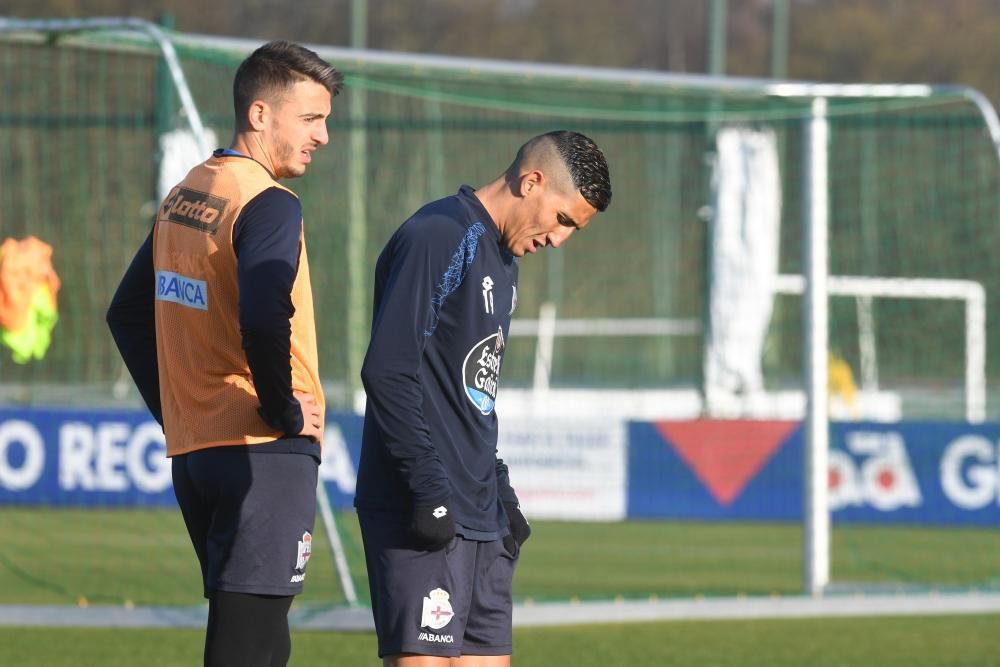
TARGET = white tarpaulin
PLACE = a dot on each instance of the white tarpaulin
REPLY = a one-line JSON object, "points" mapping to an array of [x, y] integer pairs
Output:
{"points": [[180, 152], [745, 225], [566, 468]]}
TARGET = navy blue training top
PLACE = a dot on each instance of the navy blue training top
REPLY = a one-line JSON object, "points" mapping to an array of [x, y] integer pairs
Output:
{"points": [[445, 288]]}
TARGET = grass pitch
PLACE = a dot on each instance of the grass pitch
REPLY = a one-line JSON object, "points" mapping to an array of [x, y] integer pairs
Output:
{"points": [[953, 641], [144, 557]]}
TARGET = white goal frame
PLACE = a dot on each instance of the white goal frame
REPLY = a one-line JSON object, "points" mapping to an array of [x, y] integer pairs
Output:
{"points": [[970, 293], [547, 327]]}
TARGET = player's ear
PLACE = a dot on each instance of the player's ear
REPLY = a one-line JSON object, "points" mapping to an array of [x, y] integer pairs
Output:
{"points": [[531, 181], [257, 115]]}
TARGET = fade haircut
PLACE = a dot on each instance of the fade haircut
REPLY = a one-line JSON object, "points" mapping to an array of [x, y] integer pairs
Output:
{"points": [[580, 159], [272, 69]]}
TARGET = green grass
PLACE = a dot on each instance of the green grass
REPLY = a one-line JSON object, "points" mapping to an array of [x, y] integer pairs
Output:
{"points": [[641, 558], [955, 641], [144, 557]]}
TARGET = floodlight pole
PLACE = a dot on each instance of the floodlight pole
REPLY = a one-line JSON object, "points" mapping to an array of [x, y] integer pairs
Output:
{"points": [[357, 208], [816, 509], [717, 37], [779, 39]]}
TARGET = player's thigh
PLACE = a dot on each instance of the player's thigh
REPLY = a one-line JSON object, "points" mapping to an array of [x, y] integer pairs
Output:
{"points": [[264, 508], [488, 631], [196, 512], [276, 520], [420, 599]]}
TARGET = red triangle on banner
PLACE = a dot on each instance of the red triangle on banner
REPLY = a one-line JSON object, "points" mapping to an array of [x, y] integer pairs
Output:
{"points": [[725, 455]]}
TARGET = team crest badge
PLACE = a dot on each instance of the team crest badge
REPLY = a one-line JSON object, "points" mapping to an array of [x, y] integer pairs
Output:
{"points": [[437, 611], [305, 551]]}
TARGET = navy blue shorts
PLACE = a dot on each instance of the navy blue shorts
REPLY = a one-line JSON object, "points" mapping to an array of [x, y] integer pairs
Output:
{"points": [[456, 601], [250, 517]]}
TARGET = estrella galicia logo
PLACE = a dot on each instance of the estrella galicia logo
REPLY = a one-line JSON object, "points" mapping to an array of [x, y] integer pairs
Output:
{"points": [[180, 289], [481, 371], [194, 209]]}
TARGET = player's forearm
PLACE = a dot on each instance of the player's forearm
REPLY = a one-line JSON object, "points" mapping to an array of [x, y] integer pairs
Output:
{"points": [[504, 488], [395, 403], [267, 241], [268, 350], [137, 345], [131, 319]]}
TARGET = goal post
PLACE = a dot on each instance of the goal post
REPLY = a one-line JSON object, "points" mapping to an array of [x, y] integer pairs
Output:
{"points": [[815, 317], [816, 291]]}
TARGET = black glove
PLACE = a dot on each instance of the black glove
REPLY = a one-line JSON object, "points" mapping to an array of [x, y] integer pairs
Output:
{"points": [[432, 527], [519, 529]]}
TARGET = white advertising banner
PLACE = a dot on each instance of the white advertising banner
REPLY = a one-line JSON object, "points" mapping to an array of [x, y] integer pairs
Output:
{"points": [[566, 469]]}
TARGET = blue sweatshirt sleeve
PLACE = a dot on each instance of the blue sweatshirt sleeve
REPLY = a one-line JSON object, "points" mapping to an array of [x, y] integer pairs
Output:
{"points": [[131, 319], [407, 284], [266, 238]]}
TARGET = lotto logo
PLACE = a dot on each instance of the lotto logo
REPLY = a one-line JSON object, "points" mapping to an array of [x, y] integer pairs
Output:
{"points": [[198, 210], [488, 295]]}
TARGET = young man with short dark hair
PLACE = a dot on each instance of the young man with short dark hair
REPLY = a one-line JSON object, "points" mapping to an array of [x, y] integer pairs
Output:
{"points": [[440, 521], [214, 319]]}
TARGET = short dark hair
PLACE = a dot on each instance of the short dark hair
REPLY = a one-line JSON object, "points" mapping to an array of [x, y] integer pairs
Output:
{"points": [[275, 67], [586, 164]]}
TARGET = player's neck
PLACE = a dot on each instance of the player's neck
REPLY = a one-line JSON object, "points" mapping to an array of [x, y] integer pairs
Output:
{"points": [[250, 144], [494, 197]]}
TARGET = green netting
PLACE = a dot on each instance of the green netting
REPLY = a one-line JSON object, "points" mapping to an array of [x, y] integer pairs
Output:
{"points": [[913, 194]]}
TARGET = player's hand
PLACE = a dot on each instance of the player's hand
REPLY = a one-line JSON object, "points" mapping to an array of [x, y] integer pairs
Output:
{"points": [[432, 527], [520, 531], [312, 418]]}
